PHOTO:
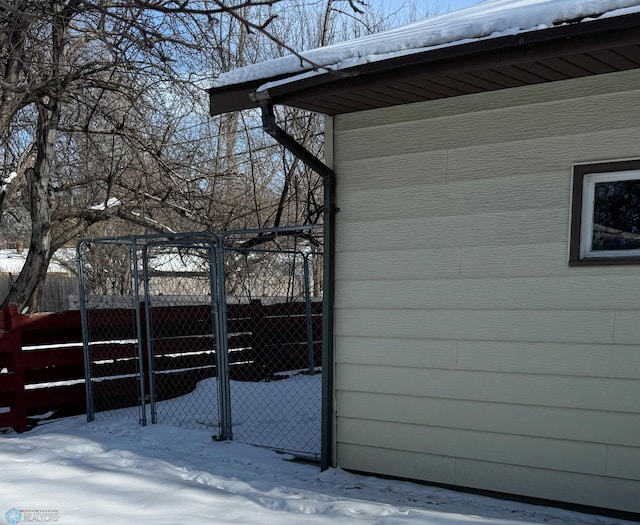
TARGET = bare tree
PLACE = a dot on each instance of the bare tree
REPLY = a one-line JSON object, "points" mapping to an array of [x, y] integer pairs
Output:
{"points": [[104, 122], [76, 54]]}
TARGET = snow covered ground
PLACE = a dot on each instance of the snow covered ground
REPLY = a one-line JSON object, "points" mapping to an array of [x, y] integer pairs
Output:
{"points": [[283, 415], [114, 471]]}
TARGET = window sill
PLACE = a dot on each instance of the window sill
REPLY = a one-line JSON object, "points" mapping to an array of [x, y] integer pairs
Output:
{"points": [[605, 261]]}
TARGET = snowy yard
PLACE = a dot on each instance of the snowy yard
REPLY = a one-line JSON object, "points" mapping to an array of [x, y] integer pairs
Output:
{"points": [[115, 471], [283, 414]]}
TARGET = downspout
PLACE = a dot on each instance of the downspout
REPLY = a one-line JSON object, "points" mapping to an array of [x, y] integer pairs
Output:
{"points": [[329, 210]]}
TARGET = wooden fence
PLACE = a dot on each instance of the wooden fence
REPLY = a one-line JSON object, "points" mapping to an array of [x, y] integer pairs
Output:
{"points": [[57, 295], [42, 362]]}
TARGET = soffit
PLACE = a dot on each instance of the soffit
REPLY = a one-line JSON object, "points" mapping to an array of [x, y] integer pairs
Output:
{"points": [[558, 53]]}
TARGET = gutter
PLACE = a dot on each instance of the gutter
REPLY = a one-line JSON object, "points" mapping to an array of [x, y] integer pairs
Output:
{"points": [[531, 44], [329, 210], [339, 92]]}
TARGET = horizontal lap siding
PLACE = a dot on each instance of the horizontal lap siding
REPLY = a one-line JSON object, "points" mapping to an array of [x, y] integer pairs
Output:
{"points": [[562, 423], [467, 350], [542, 293], [497, 126], [588, 393]]}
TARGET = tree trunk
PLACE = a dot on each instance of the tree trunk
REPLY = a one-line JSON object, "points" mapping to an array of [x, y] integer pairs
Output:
{"points": [[11, 100], [26, 291]]}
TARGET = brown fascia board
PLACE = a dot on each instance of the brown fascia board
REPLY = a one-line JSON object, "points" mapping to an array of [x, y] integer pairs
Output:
{"points": [[231, 98], [562, 40], [236, 97]]}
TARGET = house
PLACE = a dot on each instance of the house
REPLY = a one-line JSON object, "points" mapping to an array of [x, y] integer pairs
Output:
{"points": [[485, 261]]}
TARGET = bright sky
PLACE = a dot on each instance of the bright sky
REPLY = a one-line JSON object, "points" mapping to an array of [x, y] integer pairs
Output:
{"points": [[410, 10], [442, 6]]}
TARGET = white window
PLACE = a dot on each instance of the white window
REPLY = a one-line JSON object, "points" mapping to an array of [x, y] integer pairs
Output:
{"points": [[605, 225]]}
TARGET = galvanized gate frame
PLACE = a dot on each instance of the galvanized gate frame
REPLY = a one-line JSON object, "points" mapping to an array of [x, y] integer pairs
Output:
{"points": [[233, 242], [216, 247], [131, 241], [216, 278], [142, 243]]}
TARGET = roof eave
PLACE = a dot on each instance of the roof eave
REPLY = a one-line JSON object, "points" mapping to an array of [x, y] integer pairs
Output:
{"points": [[236, 97], [479, 55]]}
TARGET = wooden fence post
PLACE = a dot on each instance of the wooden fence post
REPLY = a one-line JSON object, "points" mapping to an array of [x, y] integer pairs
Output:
{"points": [[261, 369], [12, 391]]}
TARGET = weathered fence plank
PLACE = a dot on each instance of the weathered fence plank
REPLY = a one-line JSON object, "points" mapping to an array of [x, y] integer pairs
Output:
{"points": [[41, 352], [57, 295]]}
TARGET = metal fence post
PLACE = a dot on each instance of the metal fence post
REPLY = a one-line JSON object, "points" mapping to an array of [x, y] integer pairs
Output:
{"points": [[149, 336], [85, 334], [139, 332], [222, 344]]}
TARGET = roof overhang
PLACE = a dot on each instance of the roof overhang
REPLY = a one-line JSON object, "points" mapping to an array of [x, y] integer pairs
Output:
{"points": [[558, 53]]}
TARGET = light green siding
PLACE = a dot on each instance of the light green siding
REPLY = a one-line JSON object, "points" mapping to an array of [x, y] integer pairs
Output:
{"points": [[468, 352]]}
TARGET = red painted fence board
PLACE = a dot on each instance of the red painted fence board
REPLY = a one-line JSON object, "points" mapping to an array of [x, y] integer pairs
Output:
{"points": [[264, 340]]}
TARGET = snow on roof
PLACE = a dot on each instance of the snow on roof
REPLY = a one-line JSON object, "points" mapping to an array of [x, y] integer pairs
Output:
{"points": [[489, 19]]}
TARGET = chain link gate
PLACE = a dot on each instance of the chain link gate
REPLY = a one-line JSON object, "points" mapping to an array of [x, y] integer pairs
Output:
{"points": [[185, 331], [274, 324], [185, 334], [150, 309], [111, 316]]}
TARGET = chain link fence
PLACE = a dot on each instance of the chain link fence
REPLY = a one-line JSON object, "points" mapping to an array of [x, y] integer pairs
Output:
{"points": [[150, 307], [181, 320], [274, 295], [186, 331], [114, 351]]}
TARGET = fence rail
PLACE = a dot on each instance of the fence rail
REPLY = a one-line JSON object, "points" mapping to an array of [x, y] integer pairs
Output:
{"points": [[42, 364]]}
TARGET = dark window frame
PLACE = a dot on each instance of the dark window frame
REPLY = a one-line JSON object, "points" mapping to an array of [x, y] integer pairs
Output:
{"points": [[580, 171]]}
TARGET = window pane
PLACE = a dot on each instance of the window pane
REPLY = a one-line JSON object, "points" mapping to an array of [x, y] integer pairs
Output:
{"points": [[616, 215]]}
